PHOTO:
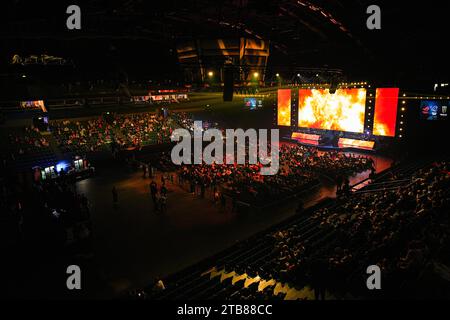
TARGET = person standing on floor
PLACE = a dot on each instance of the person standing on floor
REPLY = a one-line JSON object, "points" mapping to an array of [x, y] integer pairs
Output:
{"points": [[164, 190], [153, 193], [216, 197], [144, 170], [346, 187], [150, 170], [163, 203]]}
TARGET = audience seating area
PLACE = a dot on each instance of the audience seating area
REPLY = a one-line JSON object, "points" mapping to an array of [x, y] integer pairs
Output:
{"points": [[28, 147], [125, 130], [323, 251]]}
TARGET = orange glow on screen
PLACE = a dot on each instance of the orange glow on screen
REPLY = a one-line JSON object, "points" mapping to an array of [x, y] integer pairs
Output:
{"points": [[385, 118], [305, 136], [284, 107], [362, 144], [341, 111]]}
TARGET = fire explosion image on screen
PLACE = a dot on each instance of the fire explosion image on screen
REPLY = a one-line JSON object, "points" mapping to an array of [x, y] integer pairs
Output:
{"points": [[385, 112], [341, 111], [284, 107]]}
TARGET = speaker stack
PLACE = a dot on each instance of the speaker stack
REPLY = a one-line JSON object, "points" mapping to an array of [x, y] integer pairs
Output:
{"points": [[228, 82]]}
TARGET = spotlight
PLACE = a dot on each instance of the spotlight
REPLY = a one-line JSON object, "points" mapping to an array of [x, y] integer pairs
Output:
{"points": [[255, 74], [210, 74], [278, 75]]}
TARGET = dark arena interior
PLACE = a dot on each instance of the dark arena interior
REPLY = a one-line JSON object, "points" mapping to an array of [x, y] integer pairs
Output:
{"points": [[231, 151]]}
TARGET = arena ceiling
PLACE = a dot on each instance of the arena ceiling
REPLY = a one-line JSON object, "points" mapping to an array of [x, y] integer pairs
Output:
{"points": [[302, 33]]}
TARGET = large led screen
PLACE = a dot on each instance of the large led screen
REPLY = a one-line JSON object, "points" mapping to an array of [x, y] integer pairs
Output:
{"points": [[284, 107], [385, 118], [359, 144], [37, 104], [253, 103], [434, 109], [341, 111], [250, 103]]}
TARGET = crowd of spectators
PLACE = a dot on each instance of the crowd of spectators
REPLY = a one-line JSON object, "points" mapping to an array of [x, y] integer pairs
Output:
{"points": [[26, 141], [300, 167], [143, 129], [86, 136], [333, 164], [401, 230], [91, 135], [125, 130]]}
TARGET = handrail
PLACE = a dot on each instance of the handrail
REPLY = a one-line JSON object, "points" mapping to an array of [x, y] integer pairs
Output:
{"points": [[359, 182], [389, 182], [386, 189], [377, 190], [383, 185]]}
